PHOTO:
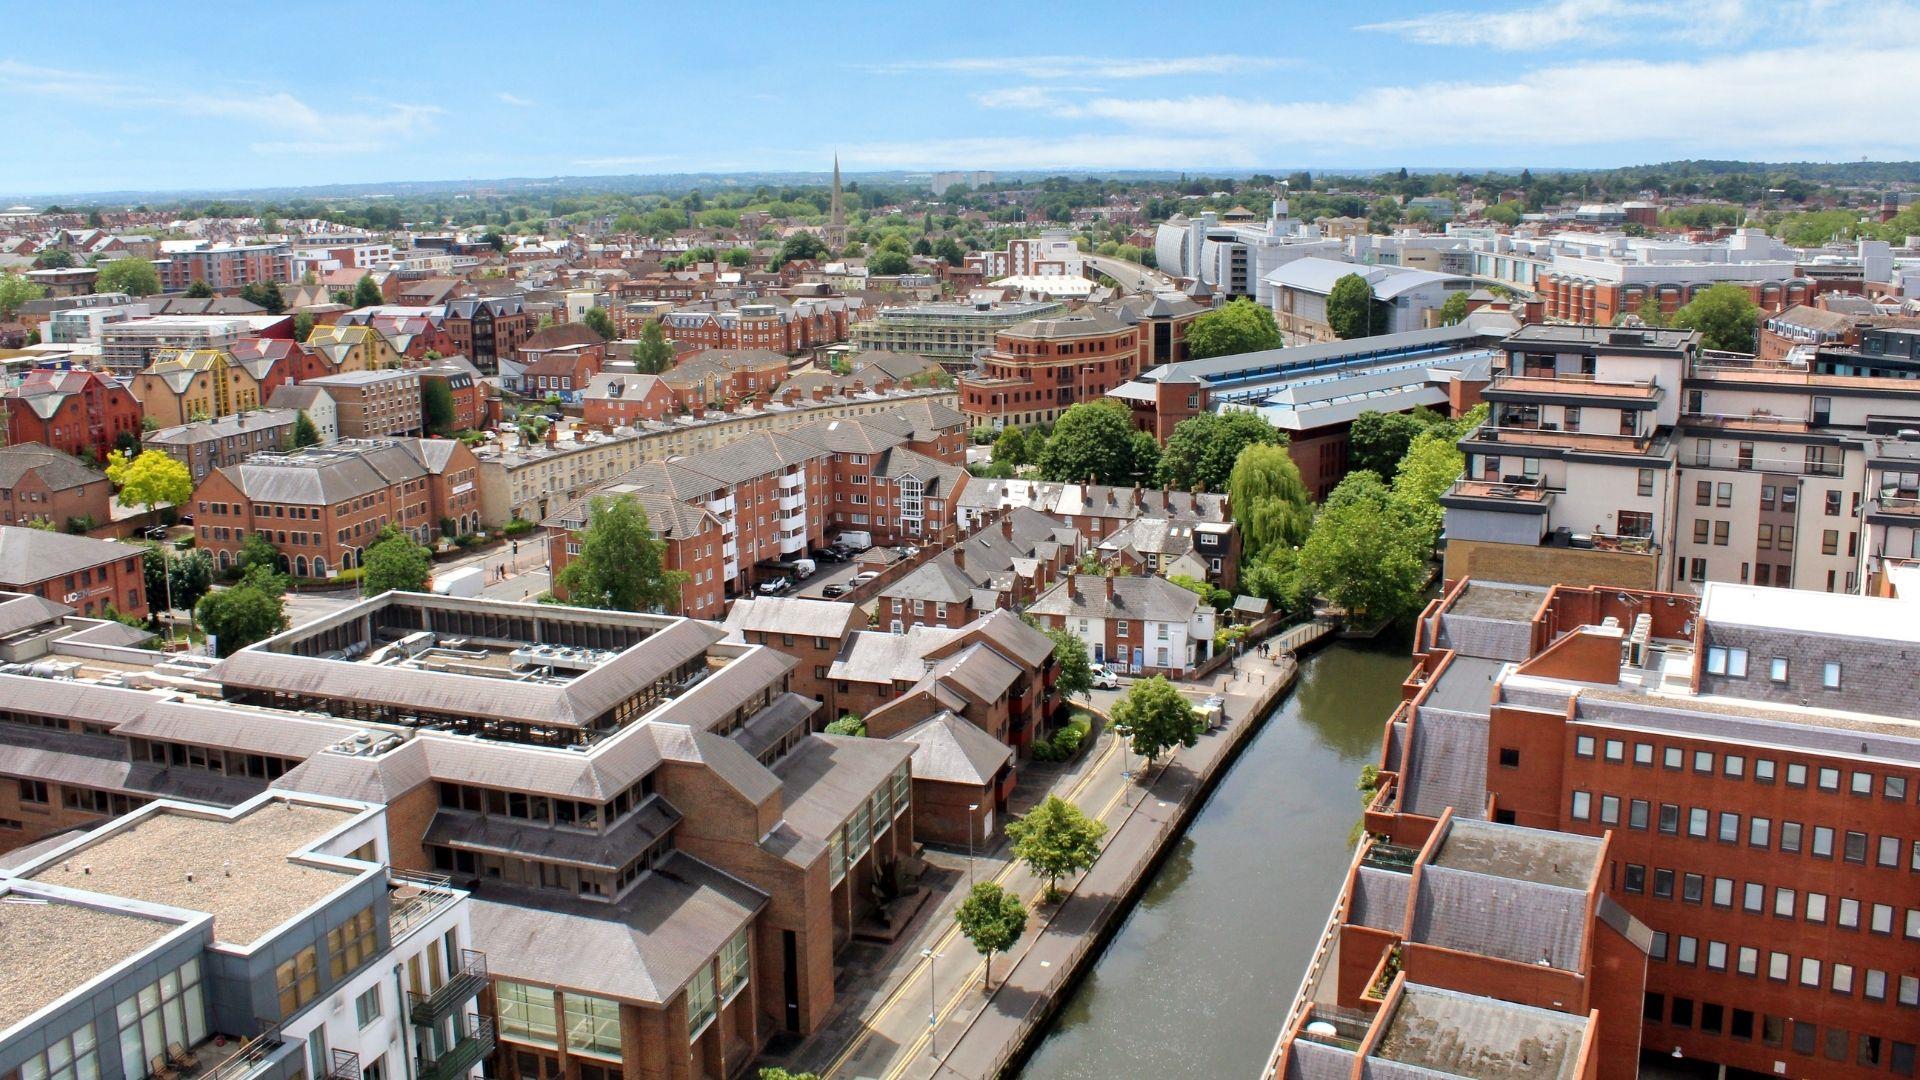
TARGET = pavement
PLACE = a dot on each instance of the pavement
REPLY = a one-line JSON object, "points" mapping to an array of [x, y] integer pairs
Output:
{"points": [[903, 1014], [525, 570]]}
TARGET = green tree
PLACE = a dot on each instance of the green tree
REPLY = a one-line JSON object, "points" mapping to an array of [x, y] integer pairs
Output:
{"points": [[366, 292], [653, 353], [1075, 678], [1430, 467], [1240, 327], [949, 249], [621, 565], [598, 321], [801, 245], [1269, 500], [1377, 441], [199, 290], [436, 405], [16, 290], [304, 431], [993, 920], [1201, 451], [54, 259], [1350, 307], [774, 1072], [1055, 839], [395, 562], [1455, 309], [150, 480], [1363, 554], [241, 615], [1012, 447], [1650, 312], [849, 725], [133, 276], [889, 264], [1095, 440], [265, 293], [1725, 315], [302, 326], [256, 558], [1154, 718], [191, 573]]}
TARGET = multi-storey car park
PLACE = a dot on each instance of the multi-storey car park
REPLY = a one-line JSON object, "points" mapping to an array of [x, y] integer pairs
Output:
{"points": [[1695, 827], [664, 861]]}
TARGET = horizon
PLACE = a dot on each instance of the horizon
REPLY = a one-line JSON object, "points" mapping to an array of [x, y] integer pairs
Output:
{"points": [[1552, 85]]}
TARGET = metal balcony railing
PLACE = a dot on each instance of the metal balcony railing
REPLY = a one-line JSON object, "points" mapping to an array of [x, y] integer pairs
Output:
{"points": [[414, 898], [472, 1046], [461, 986], [252, 1056], [346, 1066]]}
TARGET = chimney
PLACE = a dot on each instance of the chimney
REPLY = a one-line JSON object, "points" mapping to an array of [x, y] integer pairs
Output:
{"points": [[820, 392], [553, 434], [1006, 526], [1107, 580], [960, 557]]}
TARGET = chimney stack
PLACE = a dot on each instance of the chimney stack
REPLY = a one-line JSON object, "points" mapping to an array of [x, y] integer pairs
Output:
{"points": [[553, 434], [1107, 580], [1006, 525], [960, 557]]}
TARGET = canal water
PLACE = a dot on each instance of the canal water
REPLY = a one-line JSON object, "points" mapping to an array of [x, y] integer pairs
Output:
{"points": [[1199, 977]]}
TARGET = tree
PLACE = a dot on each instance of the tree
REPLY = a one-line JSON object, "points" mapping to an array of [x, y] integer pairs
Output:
{"points": [[1350, 307], [366, 292], [1241, 326], [16, 290], [801, 245], [304, 431], [257, 556], [395, 562], [150, 480], [266, 294], [849, 725], [199, 290], [621, 565], [302, 326], [1725, 315], [949, 249], [1015, 447], [1055, 839], [1377, 441], [133, 276], [54, 259], [1155, 718], [889, 264], [1095, 440], [738, 257], [1363, 554], [774, 1072], [241, 615], [993, 920], [598, 321], [1430, 467], [1269, 500], [1076, 670], [191, 574], [1455, 309], [436, 405], [653, 354], [1201, 451]]}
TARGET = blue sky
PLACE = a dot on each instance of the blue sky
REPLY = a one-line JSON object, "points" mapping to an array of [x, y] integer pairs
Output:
{"points": [[150, 97]]}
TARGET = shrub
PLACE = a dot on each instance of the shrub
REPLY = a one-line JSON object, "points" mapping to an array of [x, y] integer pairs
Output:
{"points": [[516, 527], [848, 725], [1064, 742]]}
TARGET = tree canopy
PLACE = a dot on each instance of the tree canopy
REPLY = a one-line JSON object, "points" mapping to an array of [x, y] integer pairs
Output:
{"points": [[1430, 467], [394, 561], [241, 615], [266, 294], [133, 276], [1454, 309], [1155, 718], [1350, 307], [198, 290], [1725, 315], [190, 574], [1269, 500], [152, 479], [1239, 327], [304, 431], [366, 292], [1097, 440], [993, 920], [1056, 839], [621, 565], [889, 263], [1076, 670], [1363, 554], [16, 290], [597, 320], [1201, 451], [653, 353], [1377, 441], [436, 406]]}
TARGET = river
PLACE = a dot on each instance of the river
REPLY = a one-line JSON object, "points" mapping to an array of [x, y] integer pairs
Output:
{"points": [[1199, 977]]}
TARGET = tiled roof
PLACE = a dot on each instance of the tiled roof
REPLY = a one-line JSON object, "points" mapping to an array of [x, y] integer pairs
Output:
{"points": [[954, 751], [1133, 597], [57, 470], [30, 556]]}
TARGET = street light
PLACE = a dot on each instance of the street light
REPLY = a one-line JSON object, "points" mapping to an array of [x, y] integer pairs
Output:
{"points": [[933, 1005], [972, 808]]}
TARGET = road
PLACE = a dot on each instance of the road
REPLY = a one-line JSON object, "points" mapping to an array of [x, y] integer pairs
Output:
{"points": [[525, 570], [1132, 276]]}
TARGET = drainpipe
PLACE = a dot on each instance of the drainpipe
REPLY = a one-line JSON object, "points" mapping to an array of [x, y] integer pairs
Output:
{"points": [[400, 989]]}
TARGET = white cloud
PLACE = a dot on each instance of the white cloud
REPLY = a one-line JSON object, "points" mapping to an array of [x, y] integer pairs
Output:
{"points": [[1082, 67], [514, 100], [1117, 151], [302, 128], [1555, 23]]}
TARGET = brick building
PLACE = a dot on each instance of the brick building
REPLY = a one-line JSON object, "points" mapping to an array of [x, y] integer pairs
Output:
{"points": [[322, 506], [227, 267], [1008, 564], [75, 412], [374, 404], [462, 381], [614, 399], [85, 574], [206, 445], [772, 323], [1037, 369], [199, 384], [486, 329], [810, 631], [39, 483], [1144, 625]]}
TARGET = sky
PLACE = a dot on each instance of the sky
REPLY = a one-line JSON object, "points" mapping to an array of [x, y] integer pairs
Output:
{"points": [[163, 97]]}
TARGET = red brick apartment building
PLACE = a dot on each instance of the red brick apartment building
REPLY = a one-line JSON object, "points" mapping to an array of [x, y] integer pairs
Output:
{"points": [[85, 574], [615, 400], [374, 404], [1576, 299], [39, 483], [322, 506], [1040, 367], [1747, 761], [778, 324], [74, 412], [227, 267], [463, 384], [486, 328]]}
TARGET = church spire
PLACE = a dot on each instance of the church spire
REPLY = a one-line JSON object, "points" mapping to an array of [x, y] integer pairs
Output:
{"points": [[836, 211]]}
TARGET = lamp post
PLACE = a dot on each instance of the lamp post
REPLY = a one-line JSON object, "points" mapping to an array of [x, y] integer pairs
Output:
{"points": [[972, 808], [933, 1005]]}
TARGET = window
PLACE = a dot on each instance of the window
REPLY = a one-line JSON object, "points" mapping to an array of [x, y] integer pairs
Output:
{"points": [[1729, 827], [734, 963], [1733, 766], [1849, 914], [1583, 745], [350, 944], [1669, 818], [1637, 814], [1616, 750], [1822, 842], [1830, 675], [1763, 769], [526, 1013], [1636, 878], [1777, 966], [1796, 774], [1716, 957], [1809, 971], [1693, 888], [1757, 829], [1725, 661], [1582, 805], [1747, 961], [593, 1025], [1816, 907], [1658, 949], [1854, 847], [1697, 822], [1753, 896], [701, 1001], [168, 1011], [298, 981], [1889, 852], [1842, 979], [366, 1007], [1686, 950], [1610, 810], [1790, 837], [1829, 779], [1783, 902], [1509, 757], [1777, 669], [1673, 757], [1722, 892], [1894, 787], [1663, 883], [1643, 753], [70, 1057]]}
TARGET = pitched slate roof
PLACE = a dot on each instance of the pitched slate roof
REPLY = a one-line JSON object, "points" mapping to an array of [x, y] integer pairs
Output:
{"points": [[1134, 597], [30, 556], [56, 470], [954, 751]]}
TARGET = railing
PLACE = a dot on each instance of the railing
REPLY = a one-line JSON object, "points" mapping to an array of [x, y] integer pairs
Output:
{"points": [[1570, 440], [1303, 1003], [1392, 857], [1575, 382], [1804, 468], [473, 1045], [1754, 421], [1534, 490], [414, 898], [252, 1054], [346, 1066], [1896, 504], [461, 986]]}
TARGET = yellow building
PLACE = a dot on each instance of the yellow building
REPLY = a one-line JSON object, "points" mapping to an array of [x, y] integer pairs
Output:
{"points": [[185, 385], [353, 348]]}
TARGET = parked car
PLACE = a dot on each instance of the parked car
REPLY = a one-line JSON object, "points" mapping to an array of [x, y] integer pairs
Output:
{"points": [[832, 591], [1104, 679], [865, 576], [803, 569], [770, 588]]}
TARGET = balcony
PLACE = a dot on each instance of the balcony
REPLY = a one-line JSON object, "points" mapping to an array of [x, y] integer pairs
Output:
{"points": [[1619, 393], [791, 481], [793, 502], [258, 1056], [346, 1066], [473, 1045], [427, 1010], [1763, 422], [413, 899], [1491, 439], [1530, 495], [1892, 504]]}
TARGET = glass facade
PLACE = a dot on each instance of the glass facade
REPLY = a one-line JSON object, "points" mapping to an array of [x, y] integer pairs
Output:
{"points": [[593, 1025], [172, 1010], [526, 1013]]}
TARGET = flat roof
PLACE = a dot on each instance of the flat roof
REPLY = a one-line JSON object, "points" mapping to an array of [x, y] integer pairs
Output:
{"points": [[55, 946], [1802, 611], [1510, 603], [239, 869], [1483, 1038], [1522, 854]]}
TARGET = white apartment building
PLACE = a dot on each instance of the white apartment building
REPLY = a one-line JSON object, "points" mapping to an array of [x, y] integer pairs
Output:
{"points": [[1234, 258]]}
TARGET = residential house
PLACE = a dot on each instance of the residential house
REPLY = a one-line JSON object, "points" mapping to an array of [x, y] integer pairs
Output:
{"points": [[83, 413], [39, 483], [1131, 623]]}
